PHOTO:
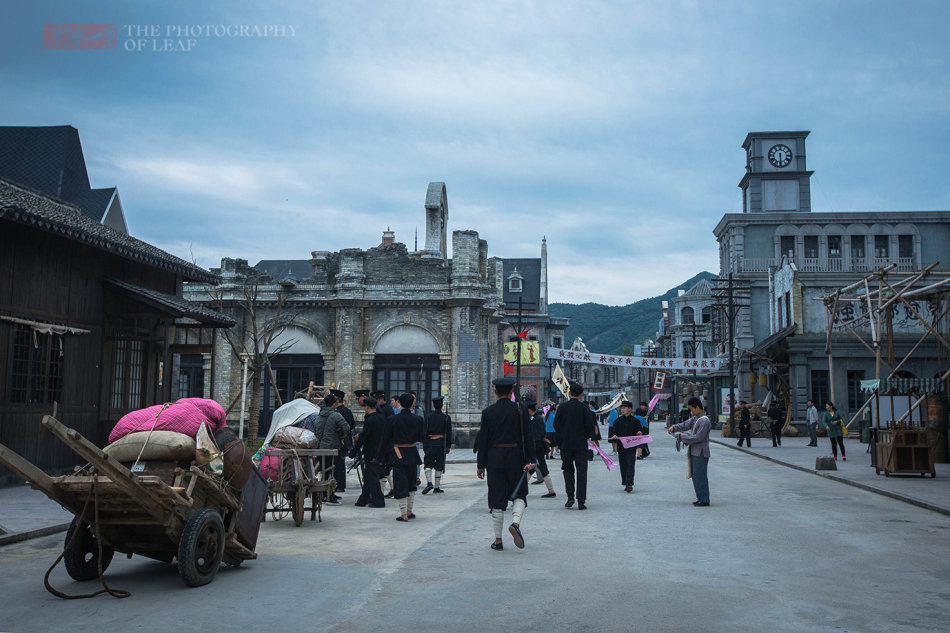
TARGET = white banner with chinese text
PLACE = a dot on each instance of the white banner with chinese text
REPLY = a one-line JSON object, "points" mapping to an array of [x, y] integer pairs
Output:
{"points": [[698, 364]]}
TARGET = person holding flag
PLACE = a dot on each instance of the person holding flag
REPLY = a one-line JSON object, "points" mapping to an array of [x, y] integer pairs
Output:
{"points": [[626, 425]]}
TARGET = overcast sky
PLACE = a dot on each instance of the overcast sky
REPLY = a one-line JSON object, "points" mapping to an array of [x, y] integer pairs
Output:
{"points": [[613, 128]]}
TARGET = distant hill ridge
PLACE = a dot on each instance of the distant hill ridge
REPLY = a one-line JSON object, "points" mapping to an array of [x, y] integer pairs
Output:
{"points": [[606, 329]]}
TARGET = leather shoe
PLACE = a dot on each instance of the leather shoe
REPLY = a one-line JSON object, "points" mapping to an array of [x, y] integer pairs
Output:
{"points": [[497, 546], [629, 488], [411, 515], [581, 506], [569, 503], [549, 495], [427, 489], [516, 536], [700, 504], [437, 490]]}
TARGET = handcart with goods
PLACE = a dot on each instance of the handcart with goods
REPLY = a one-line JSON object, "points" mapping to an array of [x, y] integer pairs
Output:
{"points": [[165, 512]]}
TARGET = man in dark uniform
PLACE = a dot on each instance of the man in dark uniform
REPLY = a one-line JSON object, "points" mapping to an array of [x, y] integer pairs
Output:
{"points": [[644, 412], [745, 425], [339, 465], [436, 445], [360, 394], [540, 446], [626, 425], [367, 443], [775, 424], [399, 446], [574, 425], [382, 406], [505, 451]]}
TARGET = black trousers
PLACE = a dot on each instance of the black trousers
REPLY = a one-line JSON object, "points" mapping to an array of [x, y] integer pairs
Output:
{"points": [[745, 435], [404, 480], [372, 493], [435, 457], [540, 450], [628, 465], [775, 428], [571, 460], [501, 485], [339, 471]]}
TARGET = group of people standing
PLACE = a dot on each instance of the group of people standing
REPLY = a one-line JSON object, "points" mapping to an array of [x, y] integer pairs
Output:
{"points": [[830, 420]]}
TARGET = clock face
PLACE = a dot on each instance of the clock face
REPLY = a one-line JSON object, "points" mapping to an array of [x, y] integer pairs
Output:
{"points": [[780, 155]]}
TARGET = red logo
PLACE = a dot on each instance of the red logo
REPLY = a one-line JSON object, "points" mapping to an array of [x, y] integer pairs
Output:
{"points": [[79, 36]]}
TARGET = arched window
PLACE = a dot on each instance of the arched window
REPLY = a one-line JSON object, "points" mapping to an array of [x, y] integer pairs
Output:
{"points": [[686, 316], [707, 315]]}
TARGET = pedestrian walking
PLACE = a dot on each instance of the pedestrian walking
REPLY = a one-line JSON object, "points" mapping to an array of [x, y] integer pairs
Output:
{"points": [[506, 453], [611, 418], [346, 444], [399, 445], [438, 440], [549, 429], [366, 446], [626, 425], [574, 426], [834, 425], [811, 418], [745, 425], [383, 406], [694, 432], [541, 444], [643, 414], [775, 425]]}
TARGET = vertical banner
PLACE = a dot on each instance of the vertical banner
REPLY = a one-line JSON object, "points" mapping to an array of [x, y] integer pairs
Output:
{"points": [[530, 352]]}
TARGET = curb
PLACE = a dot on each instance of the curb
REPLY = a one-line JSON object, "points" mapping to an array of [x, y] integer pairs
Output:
{"points": [[17, 537], [865, 487]]}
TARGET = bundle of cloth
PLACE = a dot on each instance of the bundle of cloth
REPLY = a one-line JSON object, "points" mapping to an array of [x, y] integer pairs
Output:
{"points": [[291, 426]]}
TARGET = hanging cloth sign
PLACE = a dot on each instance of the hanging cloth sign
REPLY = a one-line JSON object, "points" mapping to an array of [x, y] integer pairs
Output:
{"points": [[699, 364]]}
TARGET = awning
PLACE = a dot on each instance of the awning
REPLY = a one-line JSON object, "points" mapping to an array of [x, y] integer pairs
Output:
{"points": [[172, 305], [761, 348]]}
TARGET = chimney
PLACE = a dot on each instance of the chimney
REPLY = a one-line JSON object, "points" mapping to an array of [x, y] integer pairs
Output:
{"points": [[388, 237]]}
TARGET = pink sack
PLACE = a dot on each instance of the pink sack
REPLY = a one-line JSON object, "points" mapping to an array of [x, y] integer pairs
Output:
{"points": [[181, 417], [213, 411], [270, 464]]}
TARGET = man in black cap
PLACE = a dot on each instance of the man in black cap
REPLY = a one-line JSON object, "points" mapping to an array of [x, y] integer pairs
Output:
{"points": [[339, 466], [387, 410], [573, 426], [436, 444], [745, 425], [367, 443], [360, 394], [505, 450], [540, 446], [399, 446], [626, 425]]}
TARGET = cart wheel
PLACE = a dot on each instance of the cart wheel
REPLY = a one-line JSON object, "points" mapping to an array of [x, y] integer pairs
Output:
{"points": [[82, 555], [297, 502], [201, 547]]}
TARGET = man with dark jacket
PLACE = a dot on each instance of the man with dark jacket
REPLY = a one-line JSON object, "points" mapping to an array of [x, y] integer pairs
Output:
{"points": [[505, 450], [438, 439], [339, 466], [627, 425], [331, 428], [745, 425], [573, 426], [367, 443], [775, 424], [399, 446], [540, 447], [386, 409]]}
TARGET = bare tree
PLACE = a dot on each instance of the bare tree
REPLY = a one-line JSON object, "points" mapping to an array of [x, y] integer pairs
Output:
{"points": [[263, 318]]}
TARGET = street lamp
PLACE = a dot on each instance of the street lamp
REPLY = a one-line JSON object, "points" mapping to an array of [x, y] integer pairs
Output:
{"points": [[516, 286]]}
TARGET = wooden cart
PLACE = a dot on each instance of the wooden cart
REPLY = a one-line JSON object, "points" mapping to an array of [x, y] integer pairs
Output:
{"points": [[303, 473], [904, 450], [186, 513]]}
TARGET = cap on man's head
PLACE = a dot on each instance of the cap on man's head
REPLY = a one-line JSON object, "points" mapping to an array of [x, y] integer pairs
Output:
{"points": [[505, 383], [626, 403], [369, 403], [359, 393], [378, 394], [743, 402], [644, 404], [438, 399], [530, 403], [576, 389], [339, 393]]}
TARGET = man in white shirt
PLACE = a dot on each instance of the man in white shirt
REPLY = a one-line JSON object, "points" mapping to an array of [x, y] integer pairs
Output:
{"points": [[811, 417]]}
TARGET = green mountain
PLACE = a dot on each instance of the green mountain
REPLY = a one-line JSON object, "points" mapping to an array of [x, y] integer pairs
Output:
{"points": [[607, 329]]}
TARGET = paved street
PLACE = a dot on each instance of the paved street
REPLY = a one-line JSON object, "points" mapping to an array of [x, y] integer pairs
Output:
{"points": [[779, 550]]}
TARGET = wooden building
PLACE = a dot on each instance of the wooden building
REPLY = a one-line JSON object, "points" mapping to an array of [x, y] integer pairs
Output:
{"points": [[91, 322]]}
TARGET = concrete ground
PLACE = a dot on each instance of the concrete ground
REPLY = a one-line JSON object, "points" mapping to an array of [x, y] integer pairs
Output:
{"points": [[779, 549]]}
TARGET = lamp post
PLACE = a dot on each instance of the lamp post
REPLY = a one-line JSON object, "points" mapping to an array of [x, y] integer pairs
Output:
{"points": [[516, 286]]}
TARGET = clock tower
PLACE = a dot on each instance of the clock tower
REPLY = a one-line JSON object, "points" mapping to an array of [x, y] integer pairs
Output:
{"points": [[776, 179]]}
